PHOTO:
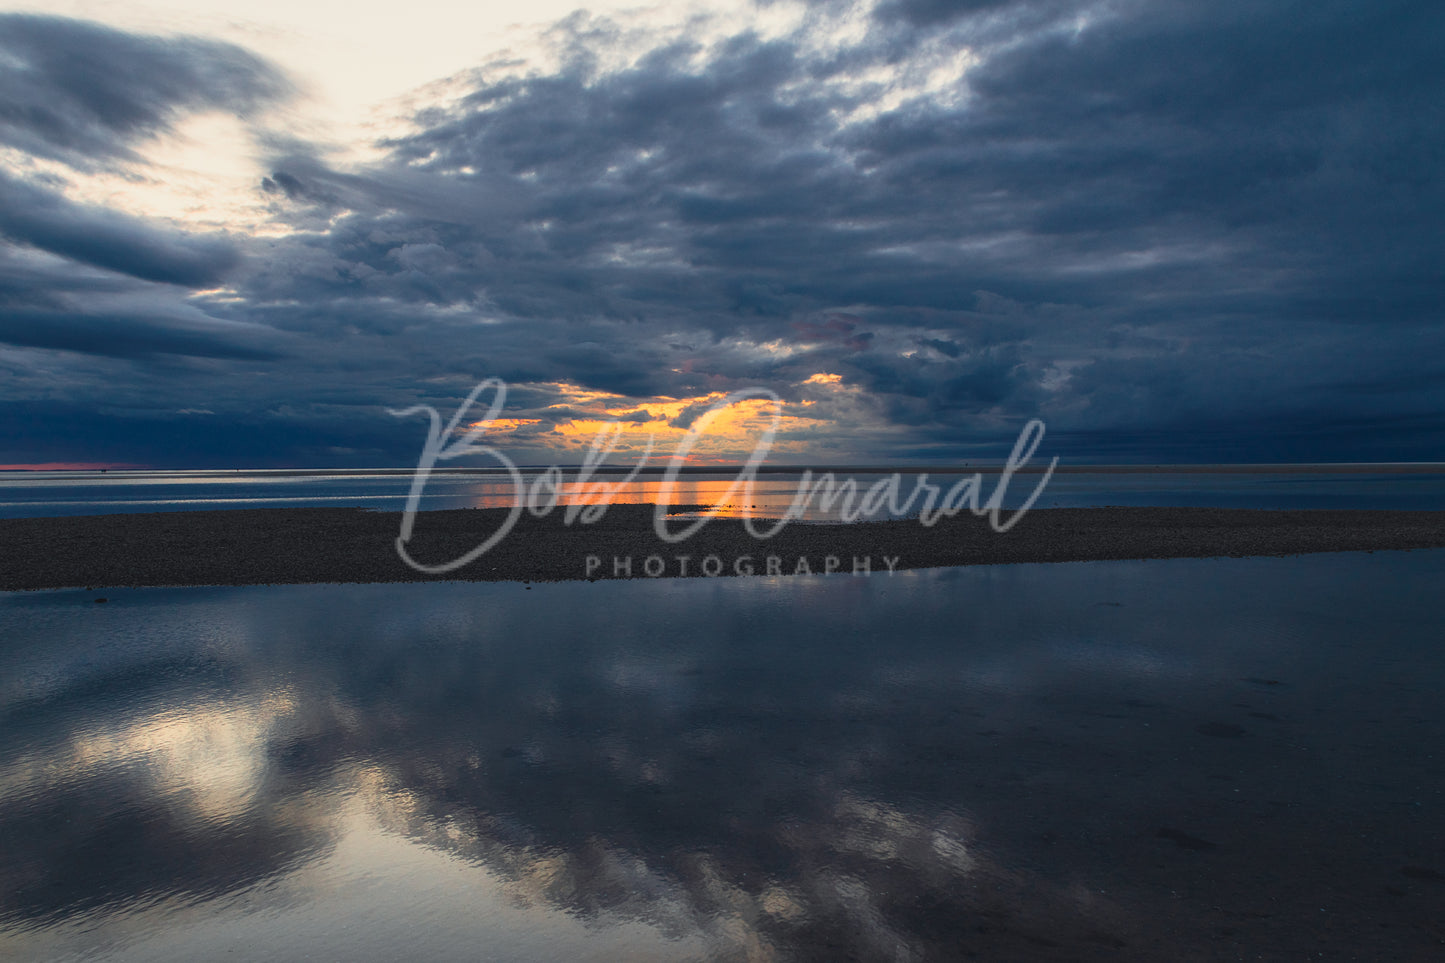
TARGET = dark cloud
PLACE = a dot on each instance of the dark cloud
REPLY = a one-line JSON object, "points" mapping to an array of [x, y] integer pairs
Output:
{"points": [[128, 334], [90, 309], [283, 183], [294, 188], [932, 12], [84, 93], [838, 329], [108, 239], [1213, 224]]}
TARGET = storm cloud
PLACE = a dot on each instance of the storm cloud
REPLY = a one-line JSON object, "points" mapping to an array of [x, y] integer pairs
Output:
{"points": [[1172, 231], [108, 239], [94, 300], [83, 93]]}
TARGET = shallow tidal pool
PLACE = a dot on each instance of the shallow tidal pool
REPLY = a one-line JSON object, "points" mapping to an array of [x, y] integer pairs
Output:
{"points": [[1187, 759]]}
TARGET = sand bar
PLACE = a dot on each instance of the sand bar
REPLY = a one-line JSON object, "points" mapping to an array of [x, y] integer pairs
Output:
{"points": [[301, 545]]}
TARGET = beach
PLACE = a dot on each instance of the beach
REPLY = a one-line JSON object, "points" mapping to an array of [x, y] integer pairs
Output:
{"points": [[1212, 737], [313, 545], [726, 482]]}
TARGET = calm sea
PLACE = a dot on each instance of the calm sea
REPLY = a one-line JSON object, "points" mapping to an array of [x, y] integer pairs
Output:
{"points": [[27, 494]]}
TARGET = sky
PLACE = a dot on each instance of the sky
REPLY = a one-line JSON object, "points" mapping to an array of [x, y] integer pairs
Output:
{"points": [[1172, 231]]}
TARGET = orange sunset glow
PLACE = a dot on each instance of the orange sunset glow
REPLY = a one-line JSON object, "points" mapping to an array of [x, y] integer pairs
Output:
{"points": [[625, 426]]}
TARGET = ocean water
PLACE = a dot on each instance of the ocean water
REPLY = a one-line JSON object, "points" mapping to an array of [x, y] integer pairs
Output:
{"points": [[1185, 759], [28, 494]]}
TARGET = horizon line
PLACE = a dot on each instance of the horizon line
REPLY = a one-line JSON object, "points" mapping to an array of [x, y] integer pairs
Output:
{"points": [[963, 468]]}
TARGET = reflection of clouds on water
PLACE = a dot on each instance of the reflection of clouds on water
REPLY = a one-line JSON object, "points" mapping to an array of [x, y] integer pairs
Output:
{"points": [[210, 760], [897, 768], [608, 775], [107, 807], [848, 869]]}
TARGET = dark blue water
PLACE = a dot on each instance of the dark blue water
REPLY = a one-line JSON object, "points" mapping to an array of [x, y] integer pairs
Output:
{"points": [[25, 494], [1204, 759]]}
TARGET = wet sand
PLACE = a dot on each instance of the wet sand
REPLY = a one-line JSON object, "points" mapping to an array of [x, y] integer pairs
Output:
{"points": [[310, 545]]}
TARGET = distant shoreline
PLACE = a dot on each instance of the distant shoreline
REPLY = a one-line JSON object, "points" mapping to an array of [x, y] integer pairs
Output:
{"points": [[310, 545], [1304, 468]]}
